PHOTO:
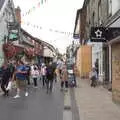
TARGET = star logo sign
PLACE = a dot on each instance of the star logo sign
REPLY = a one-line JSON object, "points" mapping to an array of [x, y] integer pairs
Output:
{"points": [[98, 33]]}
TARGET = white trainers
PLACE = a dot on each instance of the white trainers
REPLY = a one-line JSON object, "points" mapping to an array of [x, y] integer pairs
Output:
{"points": [[26, 94], [17, 96]]}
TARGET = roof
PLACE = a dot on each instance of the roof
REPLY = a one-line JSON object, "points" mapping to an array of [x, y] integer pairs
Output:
{"points": [[76, 22], [39, 41]]}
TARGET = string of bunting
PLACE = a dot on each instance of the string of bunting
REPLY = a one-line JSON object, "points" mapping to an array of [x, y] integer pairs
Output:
{"points": [[40, 2], [50, 29]]}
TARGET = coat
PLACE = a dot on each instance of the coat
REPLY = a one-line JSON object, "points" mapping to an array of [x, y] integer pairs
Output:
{"points": [[64, 75]]}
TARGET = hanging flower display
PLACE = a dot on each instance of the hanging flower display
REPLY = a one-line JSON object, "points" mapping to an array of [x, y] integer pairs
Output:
{"points": [[29, 52], [9, 50], [19, 52]]}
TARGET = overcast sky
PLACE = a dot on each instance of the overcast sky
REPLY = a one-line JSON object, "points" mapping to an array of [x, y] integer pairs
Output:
{"points": [[53, 14]]}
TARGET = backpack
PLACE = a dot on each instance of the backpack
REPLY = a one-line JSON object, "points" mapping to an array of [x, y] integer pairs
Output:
{"points": [[49, 71]]}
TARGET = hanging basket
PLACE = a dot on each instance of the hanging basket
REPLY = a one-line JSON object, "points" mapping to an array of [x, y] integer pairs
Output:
{"points": [[9, 50], [29, 53]]}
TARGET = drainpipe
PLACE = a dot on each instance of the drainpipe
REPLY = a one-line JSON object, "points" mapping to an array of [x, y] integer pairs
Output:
{"points": [[110, 63]]}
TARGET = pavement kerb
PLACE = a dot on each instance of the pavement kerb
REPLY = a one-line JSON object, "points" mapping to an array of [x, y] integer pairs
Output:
{"points": [[67, 100], [67, 113]]}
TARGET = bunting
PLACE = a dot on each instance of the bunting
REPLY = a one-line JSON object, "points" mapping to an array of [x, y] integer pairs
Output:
{"points": [[49, 29], [40, 2]]}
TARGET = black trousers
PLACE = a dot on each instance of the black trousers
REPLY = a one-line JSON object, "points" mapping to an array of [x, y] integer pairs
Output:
{"points": [[43, 79], [4, 84], [93, 82], [64, 83], [35, 81]]}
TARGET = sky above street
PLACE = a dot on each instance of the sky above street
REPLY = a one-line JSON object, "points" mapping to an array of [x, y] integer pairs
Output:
{"points": [[51, 21]]}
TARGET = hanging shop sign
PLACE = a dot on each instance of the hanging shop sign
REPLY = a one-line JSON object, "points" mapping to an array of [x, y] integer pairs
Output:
{"points": [[76, 36], [98, 34], [103, 34], [13, 31]]}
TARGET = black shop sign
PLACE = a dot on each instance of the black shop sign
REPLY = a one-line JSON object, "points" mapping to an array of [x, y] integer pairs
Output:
{"points": [[103, 34]]}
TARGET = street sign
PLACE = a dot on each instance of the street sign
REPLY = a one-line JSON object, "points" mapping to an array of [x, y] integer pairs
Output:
{"points": [[98, 34], [76, 36]]}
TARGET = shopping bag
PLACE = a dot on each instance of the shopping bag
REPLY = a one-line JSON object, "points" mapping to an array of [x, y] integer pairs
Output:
{"points": [[9, 87]]}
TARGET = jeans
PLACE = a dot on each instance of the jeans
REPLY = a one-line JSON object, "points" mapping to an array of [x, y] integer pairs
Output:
{"points": [[49, 85], [4, 85]]}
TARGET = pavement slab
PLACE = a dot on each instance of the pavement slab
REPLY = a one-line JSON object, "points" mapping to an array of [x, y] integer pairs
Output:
{"points": [[95, 103]]}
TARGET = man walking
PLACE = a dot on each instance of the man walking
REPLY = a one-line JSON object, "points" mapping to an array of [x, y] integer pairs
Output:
{"points": [[5, 78], [20, 74], [50, 77]]}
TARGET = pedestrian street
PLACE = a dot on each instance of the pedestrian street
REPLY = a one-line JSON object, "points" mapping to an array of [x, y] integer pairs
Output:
{"points": [[37, 106]]}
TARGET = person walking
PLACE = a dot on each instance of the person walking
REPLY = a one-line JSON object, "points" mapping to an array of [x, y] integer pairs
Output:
{"points": [[20, 74], [93, 77], [6, 74], [50, 77], [43, 73], [35, 75], [64, 78], [28, 73]]}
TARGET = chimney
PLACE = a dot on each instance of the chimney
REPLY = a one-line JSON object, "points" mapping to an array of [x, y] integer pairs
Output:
{"points": [[18, 14]]}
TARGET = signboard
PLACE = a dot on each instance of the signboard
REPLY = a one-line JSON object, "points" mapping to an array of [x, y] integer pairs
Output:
{"points": [[102, 34], [76, 36], [13, 36], [98, 34]]}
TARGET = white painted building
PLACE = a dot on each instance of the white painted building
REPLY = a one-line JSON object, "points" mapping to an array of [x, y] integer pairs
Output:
{"points": [[6, 15]]}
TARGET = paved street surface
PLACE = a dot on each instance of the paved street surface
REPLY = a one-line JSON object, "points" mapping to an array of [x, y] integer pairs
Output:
{"points": [[95, 103], [37, 106]]}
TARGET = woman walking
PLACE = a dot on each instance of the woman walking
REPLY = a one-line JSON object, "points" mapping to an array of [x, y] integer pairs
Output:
{"points": [[64, 78], [93, 77], [35, 75], [43, 73]]}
